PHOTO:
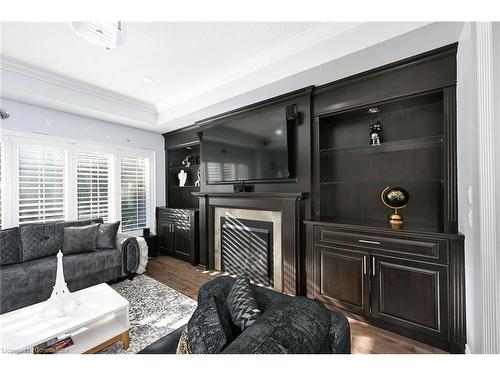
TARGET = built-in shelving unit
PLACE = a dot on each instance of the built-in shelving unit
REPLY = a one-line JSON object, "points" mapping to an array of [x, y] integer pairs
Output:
{"points": [[180, 196], [409, 280], [411, 155]]}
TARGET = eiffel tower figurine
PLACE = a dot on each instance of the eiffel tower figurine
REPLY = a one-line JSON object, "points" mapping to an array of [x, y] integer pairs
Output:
{"points": [[61, 301]]}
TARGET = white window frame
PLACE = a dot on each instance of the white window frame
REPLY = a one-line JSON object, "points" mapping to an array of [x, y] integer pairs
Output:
{"points": [[6, 176], [16, 142], [10, 174], [152, 189], [112, 176]]}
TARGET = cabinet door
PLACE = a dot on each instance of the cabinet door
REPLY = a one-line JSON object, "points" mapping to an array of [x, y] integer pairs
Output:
{"points": [[166, 236], [410, 294], [342, 278], [182, 236]]}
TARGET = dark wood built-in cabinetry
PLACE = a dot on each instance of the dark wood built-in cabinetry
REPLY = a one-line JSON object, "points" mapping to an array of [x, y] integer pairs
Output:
{"points": [[177, 225], [408, 280], [178, 233], [405, 281]]}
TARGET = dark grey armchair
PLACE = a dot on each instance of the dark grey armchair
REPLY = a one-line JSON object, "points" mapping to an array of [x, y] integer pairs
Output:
{"points": [[304, 326]]}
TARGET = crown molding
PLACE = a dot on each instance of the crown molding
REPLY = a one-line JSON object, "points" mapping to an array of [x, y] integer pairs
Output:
{"points": [[31, 71]]}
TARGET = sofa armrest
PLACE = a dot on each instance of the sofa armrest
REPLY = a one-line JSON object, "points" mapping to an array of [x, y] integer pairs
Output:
{"points": [[129, 248], [340, 334], [165, 345]]}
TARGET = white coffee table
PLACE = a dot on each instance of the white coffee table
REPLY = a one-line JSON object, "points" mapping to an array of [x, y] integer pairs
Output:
{"points": [[101, 319]]}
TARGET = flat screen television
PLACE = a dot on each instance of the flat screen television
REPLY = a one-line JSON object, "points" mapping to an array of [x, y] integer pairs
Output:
{"points": [[257, 147]]}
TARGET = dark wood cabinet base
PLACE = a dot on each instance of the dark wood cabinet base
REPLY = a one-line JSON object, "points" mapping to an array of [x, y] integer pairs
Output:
{"points": [[404, 282], [178, 233]]}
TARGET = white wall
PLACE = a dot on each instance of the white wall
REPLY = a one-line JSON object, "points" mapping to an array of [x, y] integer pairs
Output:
{"points": [[33, 119], [468, 181], [496, 101], [480, 335]]}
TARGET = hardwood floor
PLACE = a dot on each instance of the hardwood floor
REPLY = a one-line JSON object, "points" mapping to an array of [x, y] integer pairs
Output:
{"points": [[365, 338]]}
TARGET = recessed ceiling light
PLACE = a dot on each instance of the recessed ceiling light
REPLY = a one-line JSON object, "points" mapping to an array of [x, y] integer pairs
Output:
{"points": [[373, 110], [278, 132], [147, 79]]}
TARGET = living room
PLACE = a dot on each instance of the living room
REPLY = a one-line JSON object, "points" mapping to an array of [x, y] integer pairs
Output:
{"points": [[261, 184]]}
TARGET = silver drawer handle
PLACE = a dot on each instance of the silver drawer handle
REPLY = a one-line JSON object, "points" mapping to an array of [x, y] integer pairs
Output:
{"points": [[372, 242]]}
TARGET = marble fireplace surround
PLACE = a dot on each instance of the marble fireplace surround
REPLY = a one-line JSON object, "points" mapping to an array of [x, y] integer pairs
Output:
{"points": [[287, 205], [256, 215]]}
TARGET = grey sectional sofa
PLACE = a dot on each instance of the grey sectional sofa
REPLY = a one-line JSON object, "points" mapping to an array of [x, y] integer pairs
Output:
{"points": [[28, 262]]}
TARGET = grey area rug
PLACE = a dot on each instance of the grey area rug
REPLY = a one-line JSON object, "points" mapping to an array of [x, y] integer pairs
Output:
{"points": [[155, 311]]}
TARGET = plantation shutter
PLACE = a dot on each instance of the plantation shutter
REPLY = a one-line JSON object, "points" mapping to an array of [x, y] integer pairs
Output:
{"points": [[229, 171], [134, 172], [242, 172], [92, 171], [41, 183], [214, 171]]}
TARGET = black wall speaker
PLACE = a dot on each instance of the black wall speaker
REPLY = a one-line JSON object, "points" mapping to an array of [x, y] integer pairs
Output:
{"points": [[291, 112]]}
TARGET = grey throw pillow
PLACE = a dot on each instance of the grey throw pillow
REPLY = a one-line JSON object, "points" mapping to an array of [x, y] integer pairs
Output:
{"points": [[242, 304], [80, 239], [106, 237]]}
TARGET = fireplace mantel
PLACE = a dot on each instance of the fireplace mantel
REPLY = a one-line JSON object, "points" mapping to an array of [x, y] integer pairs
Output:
{"points": [[259, 194], [289, 204]]}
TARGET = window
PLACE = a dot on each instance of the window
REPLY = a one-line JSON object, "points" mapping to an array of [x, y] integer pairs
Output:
{"points": [[134, 177], [93, 174], [41, 183], [48, 179]]}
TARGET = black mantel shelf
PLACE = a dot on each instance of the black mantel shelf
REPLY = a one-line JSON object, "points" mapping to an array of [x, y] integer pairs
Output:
{"points": [[256, 194]]}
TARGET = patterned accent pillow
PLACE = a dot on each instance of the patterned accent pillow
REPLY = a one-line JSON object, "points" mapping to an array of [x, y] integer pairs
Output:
{"points": [[10, 246], [41, 240], [183, 345], [242, 304], [106, 237]]}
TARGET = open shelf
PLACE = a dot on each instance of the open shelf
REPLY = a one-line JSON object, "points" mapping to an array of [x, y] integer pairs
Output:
{"points": [[387, 182], [180, 196], [407, 144], [178, 167]]}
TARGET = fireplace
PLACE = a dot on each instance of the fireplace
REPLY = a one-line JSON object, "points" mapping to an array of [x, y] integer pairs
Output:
{"points": [[260, 229], [247, 247], [249, 241]]}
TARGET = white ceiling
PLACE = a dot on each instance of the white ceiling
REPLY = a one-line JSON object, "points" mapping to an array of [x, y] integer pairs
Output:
{"points": [[194, 66], [180, 57]]}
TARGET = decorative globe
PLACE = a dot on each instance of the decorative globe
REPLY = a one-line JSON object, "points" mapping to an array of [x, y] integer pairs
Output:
{"points": [[395, 197]]}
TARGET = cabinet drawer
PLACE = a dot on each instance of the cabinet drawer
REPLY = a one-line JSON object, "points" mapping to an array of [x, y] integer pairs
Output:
{"points": [[174, 215], [421, 248]]}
